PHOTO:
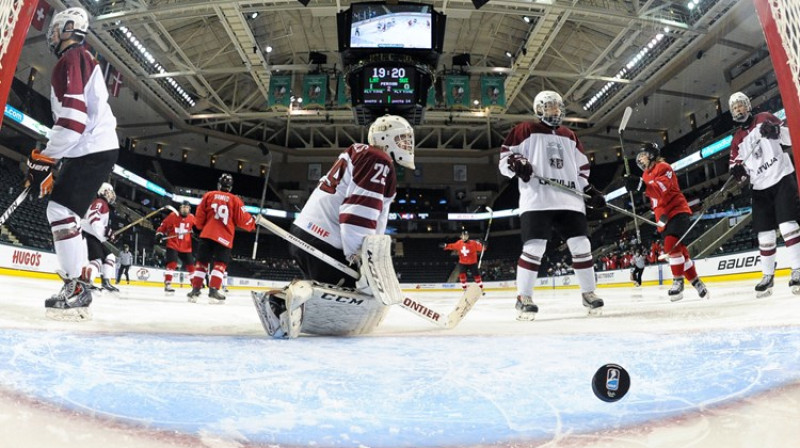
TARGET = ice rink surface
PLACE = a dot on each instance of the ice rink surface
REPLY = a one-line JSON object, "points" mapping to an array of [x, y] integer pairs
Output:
{"points": [[156, 371]]}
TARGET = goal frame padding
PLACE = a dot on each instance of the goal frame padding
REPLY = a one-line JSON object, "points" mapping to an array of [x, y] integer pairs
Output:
{"points": [[11, 56]]}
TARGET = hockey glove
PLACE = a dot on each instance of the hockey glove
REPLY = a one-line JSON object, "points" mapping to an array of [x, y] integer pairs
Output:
{"points": [[160, 238], [442, 245], [770, 131], [595, 199], [39, 176], [520, 166], [739, 173], [633, 184], [662, 223]]}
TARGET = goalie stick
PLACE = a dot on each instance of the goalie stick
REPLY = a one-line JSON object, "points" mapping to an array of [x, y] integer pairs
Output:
{"points": [[447, 321], [486, 238], [586, 196], [626, 116], [17, 202]]}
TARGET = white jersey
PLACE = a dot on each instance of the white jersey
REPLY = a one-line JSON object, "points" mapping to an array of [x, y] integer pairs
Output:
{"points": [[96, 221], [556, 154], [351, 201], [764, 160], [84, 123]]}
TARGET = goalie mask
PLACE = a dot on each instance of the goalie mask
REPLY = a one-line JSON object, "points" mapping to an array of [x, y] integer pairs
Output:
{"points": [[648, 154], [549, 107], [739, 105], [77, 17], [106, 192], [394, 135]]}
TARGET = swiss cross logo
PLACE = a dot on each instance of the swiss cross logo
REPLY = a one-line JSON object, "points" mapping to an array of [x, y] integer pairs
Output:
{"points": [[464, 251]]}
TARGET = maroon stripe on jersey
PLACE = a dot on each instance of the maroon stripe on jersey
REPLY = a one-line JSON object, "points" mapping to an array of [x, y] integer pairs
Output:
{"points": [[74, 103], [525, 264], [366, 201], [94, 220], [72, 125], [61, 222], [768, 252], [582, 264], [584, 167], [347, 218], [792, 241], [584, 176]]}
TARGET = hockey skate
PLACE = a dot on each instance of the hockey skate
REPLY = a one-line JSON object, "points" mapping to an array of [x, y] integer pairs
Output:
{"points": [[193, 295], [593, 303], [764, 287], [702, 291], [215, 297], [794, 283], [526, 309], [676, 291], [168, 289], [107, 286], [270, 307], [71, 304]]}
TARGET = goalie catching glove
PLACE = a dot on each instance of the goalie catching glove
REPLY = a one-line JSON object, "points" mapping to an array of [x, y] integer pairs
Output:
{"points": [[39, 175], [771, 131], [595, 199], [520, 166]]}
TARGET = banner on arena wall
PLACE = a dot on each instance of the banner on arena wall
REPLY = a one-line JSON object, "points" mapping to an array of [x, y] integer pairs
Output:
{"points": [[457, 91], [280, 91], [342, 91], [432, 97], [315, 90], [493, 91]]}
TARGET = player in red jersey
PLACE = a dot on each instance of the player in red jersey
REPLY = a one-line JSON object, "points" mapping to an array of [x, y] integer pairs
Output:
{"points": [[672, 213], [176, 231], [468, 251], [219, 214]]}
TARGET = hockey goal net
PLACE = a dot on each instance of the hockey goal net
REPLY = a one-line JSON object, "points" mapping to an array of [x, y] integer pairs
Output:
{"points": [[780, 20], [15, 17]]}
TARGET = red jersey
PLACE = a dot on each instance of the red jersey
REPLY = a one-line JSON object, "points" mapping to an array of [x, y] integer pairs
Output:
{"points": [[664, 192], [218, 216], [180, 229], [467, 250]]}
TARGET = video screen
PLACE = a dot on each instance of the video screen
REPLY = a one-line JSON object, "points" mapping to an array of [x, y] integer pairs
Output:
{"points": [[376, 25], [388, 85]]}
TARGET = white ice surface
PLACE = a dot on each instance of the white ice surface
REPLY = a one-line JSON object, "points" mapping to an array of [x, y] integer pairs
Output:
{"points": [[153, 371]]}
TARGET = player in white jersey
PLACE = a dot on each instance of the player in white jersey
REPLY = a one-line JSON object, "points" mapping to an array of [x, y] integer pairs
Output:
{"points": [[546, 149], [95, 232], [756, 153], [84, 143], [350, 203]]}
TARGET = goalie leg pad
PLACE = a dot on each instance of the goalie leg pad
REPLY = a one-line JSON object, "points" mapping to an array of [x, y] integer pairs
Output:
{"points": [[377, 269], [337, 311]]}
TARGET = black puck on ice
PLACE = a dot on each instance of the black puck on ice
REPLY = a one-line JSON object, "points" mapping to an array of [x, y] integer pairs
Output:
{"points": [[611, 383]]}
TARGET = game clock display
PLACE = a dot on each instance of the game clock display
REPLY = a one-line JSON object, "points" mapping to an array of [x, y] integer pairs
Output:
{"points": [[389, 85]]}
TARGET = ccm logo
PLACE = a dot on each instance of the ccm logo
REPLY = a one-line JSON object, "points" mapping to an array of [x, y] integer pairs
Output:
{"points": [[341, 299], [745, 262], [26, 258]]}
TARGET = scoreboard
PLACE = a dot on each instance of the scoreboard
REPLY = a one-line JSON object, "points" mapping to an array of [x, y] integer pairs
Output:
{"points": [[389, 85]]}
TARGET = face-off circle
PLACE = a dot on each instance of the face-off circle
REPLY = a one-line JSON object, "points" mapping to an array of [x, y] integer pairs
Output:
{"points": [[611, 383]]}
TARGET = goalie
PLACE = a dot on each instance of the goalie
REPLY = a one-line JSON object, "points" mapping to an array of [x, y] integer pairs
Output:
{"points": [[350, 203]]}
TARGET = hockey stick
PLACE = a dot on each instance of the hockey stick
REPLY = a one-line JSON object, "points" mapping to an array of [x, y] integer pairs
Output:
{"points": [[586, 196], [444, 321], [117, 233], [486, 238], [17, 202], [622, 125]]}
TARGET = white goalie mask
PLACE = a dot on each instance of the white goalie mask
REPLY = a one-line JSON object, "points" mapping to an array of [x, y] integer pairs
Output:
{"points": [[80, 26], [106, 192], [395, 136], [549, 107], [739, 105]]}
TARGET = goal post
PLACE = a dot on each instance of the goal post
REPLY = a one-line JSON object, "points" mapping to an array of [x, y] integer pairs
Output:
{"points": [[780, 20], [15, 18]]}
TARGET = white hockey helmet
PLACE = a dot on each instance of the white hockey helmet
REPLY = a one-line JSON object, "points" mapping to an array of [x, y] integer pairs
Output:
{"points": [[395, 136], [549, 107], [106, 192], [741, 103], [80, 26]]}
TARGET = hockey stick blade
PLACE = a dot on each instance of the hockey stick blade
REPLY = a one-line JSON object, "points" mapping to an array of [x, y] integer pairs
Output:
{"points": [[450, 320], [625, 117]]}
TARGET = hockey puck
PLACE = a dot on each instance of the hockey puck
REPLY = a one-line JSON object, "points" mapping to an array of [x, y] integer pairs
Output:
{"points": [[611, 383]]}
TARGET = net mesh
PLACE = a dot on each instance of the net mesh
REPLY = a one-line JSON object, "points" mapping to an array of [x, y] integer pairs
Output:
{"points": [[9, 12], [786, 14]]}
